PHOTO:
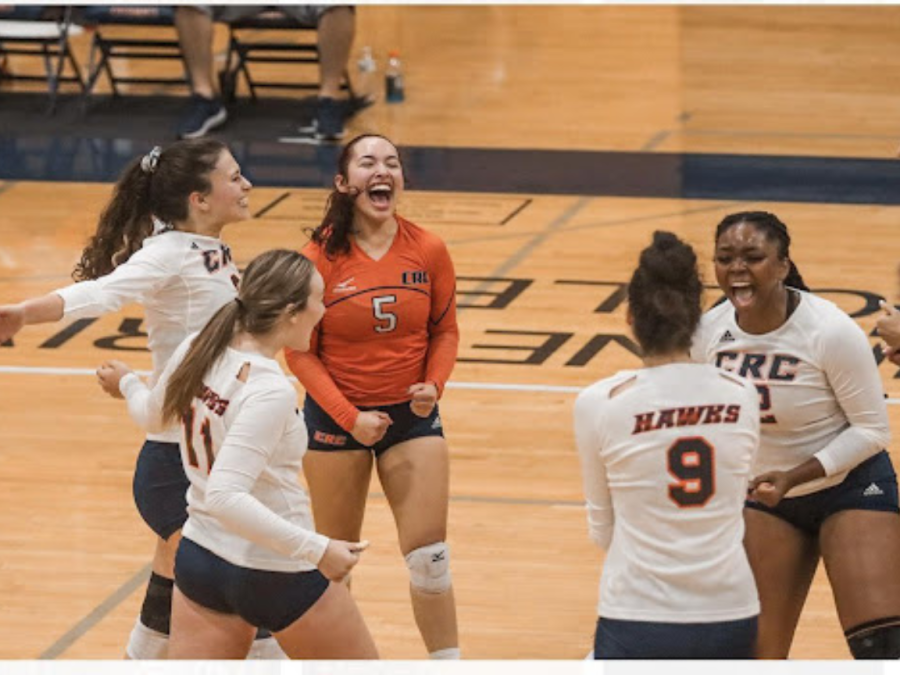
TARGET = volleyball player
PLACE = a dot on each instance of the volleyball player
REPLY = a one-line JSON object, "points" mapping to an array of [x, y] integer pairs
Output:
{"points": [[666, 454], [825, 487], [158, 244], [377, 367], [250, 555]]}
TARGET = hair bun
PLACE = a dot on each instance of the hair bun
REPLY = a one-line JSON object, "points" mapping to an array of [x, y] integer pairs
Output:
{"points": [[668, 260], [664, 295]]}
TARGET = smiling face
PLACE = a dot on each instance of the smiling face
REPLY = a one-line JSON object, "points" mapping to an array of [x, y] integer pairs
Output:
{"points": [[374, 173], [750, 270], [228, 198]]}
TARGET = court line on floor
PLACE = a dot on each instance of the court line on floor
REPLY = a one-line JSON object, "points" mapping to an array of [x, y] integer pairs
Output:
{"points": [[538, 236], [656, 140], [518, 387], [718, 206], [97, 614], [556, 225], [486, 386], [117, 597], [506, 501]]}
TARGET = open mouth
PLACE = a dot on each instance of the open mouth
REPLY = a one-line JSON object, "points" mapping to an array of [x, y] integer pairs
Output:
{"points": [[742, 293], [380, 195]]}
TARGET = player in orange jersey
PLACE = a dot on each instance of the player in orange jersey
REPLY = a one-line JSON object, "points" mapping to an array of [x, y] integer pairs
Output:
{"points": [[376, 368]]}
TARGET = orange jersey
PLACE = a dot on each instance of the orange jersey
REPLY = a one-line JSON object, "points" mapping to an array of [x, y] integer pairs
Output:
{"points": [[388, 324]]}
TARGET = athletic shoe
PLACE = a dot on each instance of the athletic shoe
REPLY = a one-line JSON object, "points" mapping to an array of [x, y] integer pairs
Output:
{"points": [[204, 115], [328, 124]]}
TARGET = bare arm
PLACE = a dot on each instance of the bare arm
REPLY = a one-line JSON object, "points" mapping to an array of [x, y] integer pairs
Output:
{"points": [[771, 487], [45, 309]]}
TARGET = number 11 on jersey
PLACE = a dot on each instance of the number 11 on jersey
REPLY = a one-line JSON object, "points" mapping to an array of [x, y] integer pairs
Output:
{"points": [[205, 436]]}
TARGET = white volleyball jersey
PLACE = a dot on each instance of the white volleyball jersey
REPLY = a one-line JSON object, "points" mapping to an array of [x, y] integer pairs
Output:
{"points": [[242, 447], [666, 454], [180, 278], [820, 392]]}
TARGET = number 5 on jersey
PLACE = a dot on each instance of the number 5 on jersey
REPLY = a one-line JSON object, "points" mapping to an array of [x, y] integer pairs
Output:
{"points": [[388, 319]]}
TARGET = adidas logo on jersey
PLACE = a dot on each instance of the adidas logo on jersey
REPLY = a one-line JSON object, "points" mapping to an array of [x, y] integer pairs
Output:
{"points": [[873, 491], [726, 337], [437, 423]]}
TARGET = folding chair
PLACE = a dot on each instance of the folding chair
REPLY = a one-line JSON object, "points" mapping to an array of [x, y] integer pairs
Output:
{"points": [[42, 32], [244, 49], [105, 49]]}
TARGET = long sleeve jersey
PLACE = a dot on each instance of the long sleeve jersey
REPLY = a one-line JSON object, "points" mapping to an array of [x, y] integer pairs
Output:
{"points": [[388, 324], [242, 446], [180, 278], [666, 454], [820, 392]]}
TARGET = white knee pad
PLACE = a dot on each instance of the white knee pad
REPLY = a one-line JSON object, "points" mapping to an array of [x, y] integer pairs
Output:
{"points": [[429, 568], [146, 644]]}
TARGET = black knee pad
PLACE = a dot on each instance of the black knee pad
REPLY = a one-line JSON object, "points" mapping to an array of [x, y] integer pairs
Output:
{"points": [[156, 612], [878, 639]]}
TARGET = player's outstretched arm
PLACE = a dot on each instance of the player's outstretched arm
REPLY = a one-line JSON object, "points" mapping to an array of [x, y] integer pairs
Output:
{"points": [[45, 309]]}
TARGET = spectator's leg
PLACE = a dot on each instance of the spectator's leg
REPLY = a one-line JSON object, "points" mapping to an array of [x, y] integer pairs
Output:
{"points": [[195, 35], [335, 37]]}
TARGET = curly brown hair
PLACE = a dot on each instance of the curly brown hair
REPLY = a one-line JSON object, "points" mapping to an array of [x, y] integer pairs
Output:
{"points": [[145, 190]]}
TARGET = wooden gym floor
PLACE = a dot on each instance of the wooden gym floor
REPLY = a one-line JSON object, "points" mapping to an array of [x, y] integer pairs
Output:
{"points": [[540, 270]]}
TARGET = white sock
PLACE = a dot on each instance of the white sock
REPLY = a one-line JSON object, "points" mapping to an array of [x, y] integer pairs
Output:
{"points": [[266, 649], [451, 653]]}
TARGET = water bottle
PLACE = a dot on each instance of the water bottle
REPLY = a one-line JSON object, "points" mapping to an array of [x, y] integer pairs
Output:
{"points": [[366, 68], [393, 79]]}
